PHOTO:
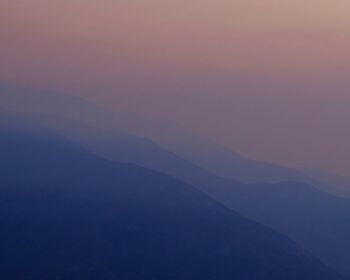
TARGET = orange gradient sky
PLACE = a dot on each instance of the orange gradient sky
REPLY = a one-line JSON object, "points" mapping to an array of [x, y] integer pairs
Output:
{"points": [[268, 78]]}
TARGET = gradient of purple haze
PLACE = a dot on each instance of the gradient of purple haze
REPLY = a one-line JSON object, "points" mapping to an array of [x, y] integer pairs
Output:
{"points": [[269, 79]]}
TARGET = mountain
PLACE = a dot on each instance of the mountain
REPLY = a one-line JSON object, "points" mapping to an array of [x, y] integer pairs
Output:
{"points": [[313, 218], [67, 214]]}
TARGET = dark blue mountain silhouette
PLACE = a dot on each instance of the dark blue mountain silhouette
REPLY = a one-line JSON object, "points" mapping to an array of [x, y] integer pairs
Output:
{"points": [[66, 214], [315, 219]]}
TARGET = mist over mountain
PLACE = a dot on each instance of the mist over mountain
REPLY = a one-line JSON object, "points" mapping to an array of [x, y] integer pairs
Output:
{"points": [[58, 109], [174, 140], [300, 211]]}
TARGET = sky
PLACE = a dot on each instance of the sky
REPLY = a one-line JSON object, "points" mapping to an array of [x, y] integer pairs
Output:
{"points": [[269, 79]]}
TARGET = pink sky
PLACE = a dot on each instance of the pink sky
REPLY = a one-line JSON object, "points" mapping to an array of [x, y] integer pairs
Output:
{"points": [[268, 78]]}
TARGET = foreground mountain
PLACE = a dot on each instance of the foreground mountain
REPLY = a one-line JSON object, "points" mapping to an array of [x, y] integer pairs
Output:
{"points": [[66, 214], [314, 219]]}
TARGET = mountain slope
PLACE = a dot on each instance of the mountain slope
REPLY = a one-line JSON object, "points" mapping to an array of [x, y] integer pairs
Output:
{"points": [[312, 218], [315, 219], [327, 239], [66, 214]]}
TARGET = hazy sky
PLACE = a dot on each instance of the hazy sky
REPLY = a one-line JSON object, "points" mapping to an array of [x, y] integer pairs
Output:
{"points": [[271, 78]]}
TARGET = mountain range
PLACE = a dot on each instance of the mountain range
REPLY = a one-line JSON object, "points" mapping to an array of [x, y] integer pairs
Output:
{"points": [[307, 206], [67, 214]]}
